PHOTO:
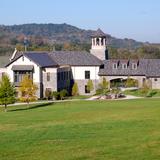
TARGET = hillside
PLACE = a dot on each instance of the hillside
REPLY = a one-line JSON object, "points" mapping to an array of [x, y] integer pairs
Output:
{"points": [[48, 37], [56, 33]]}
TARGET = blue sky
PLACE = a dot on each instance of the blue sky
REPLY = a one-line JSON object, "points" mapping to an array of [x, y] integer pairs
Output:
{"points": [[137, 19]]}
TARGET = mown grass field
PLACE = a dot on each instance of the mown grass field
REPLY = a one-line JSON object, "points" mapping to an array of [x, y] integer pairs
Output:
{"points": [[82, 130]]}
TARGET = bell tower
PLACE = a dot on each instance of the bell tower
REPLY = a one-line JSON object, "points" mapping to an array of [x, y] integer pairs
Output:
{"points": [[98, 47]]}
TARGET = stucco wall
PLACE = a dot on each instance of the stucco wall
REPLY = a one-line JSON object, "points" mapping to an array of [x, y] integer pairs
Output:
{"points": [[2, 70], [79, 72], [36, 72], [25, 61], [155, 83], [79, 77], [99, 53]]}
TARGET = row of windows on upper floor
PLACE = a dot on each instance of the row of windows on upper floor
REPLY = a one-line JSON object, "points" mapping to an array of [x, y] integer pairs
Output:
{"points": [[125, 66]]}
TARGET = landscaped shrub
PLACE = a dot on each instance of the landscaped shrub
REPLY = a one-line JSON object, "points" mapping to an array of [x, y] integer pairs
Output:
{"points": [[90, 86], [63, 93], [48, 94], [103, 87], [99, 91], [151, 93], [131, 82], [75, 91], [56, 95]]}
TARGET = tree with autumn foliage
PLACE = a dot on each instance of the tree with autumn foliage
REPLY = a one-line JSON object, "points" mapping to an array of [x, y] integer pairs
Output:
{"points": [[27, 90]]}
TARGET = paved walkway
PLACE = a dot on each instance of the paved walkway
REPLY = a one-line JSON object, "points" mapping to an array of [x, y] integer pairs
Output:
{"points": [[69, 100], [41, 102], [127, 97]]}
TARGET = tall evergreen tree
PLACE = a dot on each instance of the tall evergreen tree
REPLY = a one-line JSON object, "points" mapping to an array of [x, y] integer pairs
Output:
{"points": [[7, 92]]}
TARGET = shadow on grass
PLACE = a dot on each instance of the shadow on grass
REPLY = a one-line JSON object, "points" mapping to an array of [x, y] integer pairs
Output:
{"points": [[31, 106]]}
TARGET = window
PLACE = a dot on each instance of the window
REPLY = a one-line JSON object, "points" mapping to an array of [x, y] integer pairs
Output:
{"points": [[67, 75], [134, 66], [114, 65], [48, 76], [155, 79], [124, 66], [63, 75], [18, 75], [58, 75], [102, 66], [87, 74], [86, 90]]}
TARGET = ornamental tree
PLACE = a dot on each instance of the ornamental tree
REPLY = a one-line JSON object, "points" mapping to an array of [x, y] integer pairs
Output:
{"points": [[75, 91], [27, 90], [90, 86]]}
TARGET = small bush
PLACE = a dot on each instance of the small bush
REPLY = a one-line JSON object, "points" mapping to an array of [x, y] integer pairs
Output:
{"points": [[131, 83], [56, 95], [99, 91], [75, 90], [63, 93], [151, 93], [48, 94]]}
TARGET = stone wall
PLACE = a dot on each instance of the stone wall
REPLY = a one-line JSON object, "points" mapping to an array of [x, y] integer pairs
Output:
{"points": [[81, 86], [52, 83]]}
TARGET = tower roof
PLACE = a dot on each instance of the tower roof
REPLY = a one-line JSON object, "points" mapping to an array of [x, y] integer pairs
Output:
{"points": [[99, 33]]}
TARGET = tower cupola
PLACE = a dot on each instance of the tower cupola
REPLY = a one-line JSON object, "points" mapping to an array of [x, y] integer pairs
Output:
{"points": [[98, 47]]}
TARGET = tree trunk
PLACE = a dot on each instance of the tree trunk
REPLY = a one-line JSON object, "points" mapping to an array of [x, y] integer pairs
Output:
{"points": [[5, 107]]}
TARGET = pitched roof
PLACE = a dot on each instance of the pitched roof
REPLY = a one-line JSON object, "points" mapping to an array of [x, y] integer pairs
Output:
{"points": [[53, 59], [18, 55], [146, 67], [41, 58], [75, 58], [99, 33]]}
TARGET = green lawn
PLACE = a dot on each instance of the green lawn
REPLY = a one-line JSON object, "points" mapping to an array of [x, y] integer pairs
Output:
{"points": [[82, 130]]}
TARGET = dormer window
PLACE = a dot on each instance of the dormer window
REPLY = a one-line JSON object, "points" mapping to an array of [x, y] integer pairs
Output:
{"points": [[134, 66], [114, 65], [124, 66]]}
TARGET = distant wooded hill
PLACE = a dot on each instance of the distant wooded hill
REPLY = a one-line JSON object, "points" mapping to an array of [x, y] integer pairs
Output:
{"points": [[48, 37], [54, 34]]}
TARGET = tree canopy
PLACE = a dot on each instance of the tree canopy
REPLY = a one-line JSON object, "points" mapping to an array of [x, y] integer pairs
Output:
{"points": [[7, 92], [28, 90]]}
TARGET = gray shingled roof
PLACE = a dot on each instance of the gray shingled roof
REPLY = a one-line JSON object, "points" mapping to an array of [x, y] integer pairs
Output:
{"points": [[146, 67], [22, 67], [41, 58], [75, 58], [99, 33], [18, 54]]}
